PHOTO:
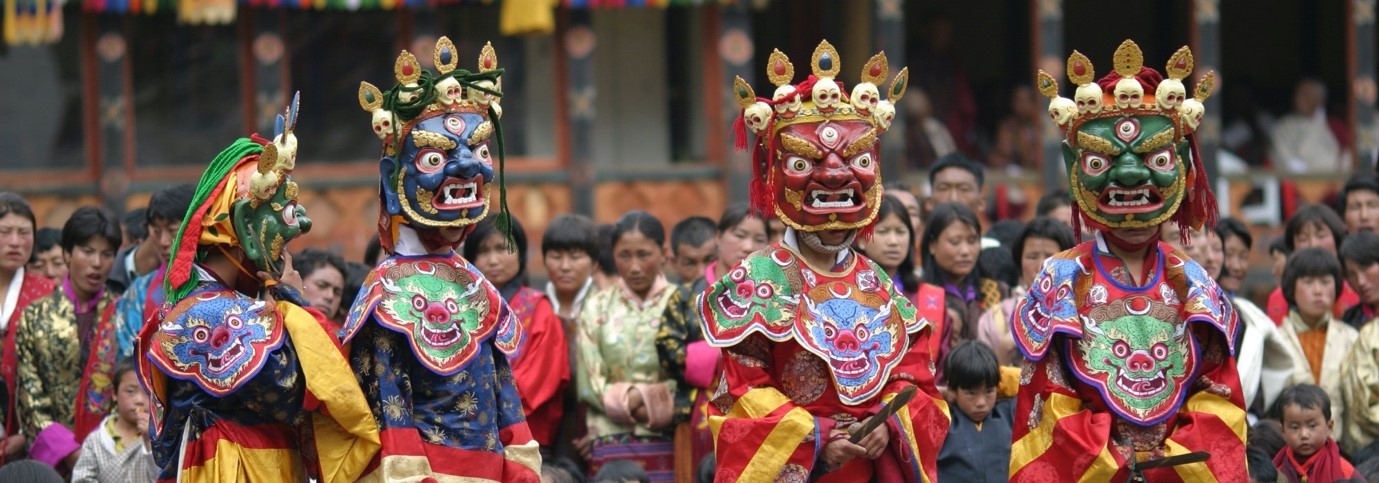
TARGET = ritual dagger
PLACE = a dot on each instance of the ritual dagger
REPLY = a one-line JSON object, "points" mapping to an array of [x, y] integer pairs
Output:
{"points": [[899, 401]]}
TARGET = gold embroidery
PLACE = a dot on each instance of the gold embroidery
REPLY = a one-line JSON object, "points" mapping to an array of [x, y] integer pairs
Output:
{"points": [[1163, 138], [863, 143], [1096, 144], [428, 139], [800, 146]]}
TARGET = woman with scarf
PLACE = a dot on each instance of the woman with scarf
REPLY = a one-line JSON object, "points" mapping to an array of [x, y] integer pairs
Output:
{"points": [[542, 370]]}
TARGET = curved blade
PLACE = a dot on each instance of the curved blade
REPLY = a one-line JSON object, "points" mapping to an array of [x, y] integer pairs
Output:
{"points": [[899, 401]]}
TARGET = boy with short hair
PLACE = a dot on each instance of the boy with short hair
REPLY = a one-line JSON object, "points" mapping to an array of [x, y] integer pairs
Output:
{"points": [[1360, 258], [118, 451], [63, 381], [1311, 454], [978, 443], [1359, 204], [143, 289], [1316, 341], [693, 244]]}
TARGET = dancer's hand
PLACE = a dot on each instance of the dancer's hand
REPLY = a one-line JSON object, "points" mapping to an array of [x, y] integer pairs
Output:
{"points": [[876, 441], [839, 451]]}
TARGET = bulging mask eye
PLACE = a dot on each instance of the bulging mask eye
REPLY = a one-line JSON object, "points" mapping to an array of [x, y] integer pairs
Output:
{"points": [[482, 153], [1094, 164], [862, 161], [798, 165], [1162, 160], [430, 161]]}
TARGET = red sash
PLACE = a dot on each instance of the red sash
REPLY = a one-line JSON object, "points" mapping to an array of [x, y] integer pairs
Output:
{"points": [[93, 396]]}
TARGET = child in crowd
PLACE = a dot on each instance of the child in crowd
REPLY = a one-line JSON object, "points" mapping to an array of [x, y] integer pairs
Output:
{"points": [[1311, 454], [978, 444], [693, 246], [118, 451], [1317, 342], [1313, 226]]}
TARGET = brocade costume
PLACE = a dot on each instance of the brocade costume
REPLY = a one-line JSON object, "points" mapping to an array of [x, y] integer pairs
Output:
{"points": [[1360, 389], [430, 339], [1124, 368], [808, 350], [66, 362], [246, 384], [811, 352]]}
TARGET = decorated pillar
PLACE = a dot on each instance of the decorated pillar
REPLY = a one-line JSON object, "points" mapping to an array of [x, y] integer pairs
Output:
{"points": [[888, 33], [735, 49], [1360, 71], [576, 42], [265, 68], [111, 119], [1206, 47], [1046, 41]]}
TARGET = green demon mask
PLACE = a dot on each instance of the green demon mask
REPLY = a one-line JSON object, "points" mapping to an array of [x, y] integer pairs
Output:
{"points": [[1128, 172]]}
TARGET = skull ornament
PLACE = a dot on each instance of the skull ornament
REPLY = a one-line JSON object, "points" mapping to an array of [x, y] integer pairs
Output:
{"points": [[480, 97], [383, 123], [786, 109], [409, 93], [1191, 113], [885, 113], [1170, 94], [1062, 110], [448, 91], [1129, 93], [865, 96], [757, 116], [827, 95], [1088, 97]]}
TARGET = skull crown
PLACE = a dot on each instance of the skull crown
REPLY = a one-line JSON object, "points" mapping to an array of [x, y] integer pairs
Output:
{"points": [[450, 91], [826, 98], [1129, 94]]}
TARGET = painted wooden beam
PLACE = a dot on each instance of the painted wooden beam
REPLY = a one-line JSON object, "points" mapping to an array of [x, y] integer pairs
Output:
{"points": [[1046, 49], [735, 52], [576, 42], [1205, 35]]}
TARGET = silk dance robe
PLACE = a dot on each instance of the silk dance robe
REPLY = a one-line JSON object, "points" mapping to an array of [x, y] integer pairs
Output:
{"points": [[430, 341], [808, 350], [244, 389], [1118, 372]]}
